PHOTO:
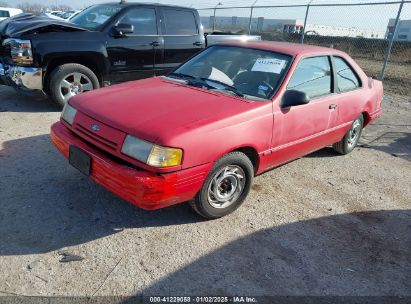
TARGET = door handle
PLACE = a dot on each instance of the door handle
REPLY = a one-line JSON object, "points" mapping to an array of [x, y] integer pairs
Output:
{"points": [[332, 106], [198, 43], [155, 43]]}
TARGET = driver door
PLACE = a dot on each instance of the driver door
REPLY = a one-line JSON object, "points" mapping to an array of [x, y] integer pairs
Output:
{"points": [[133, 56], [299, 130]]}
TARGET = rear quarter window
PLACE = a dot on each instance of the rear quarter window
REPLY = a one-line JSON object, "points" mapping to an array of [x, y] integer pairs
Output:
{"points": [[347, 79], [180, 22]]}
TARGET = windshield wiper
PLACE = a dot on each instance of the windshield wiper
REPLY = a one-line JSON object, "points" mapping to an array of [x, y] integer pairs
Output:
{"points": [[192, 80], [201, 81], [182, 75], [227, 87]]}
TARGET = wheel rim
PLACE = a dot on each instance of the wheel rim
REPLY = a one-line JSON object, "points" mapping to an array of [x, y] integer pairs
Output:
{"points": [[226, 186], [74, 84], [354, 133]]}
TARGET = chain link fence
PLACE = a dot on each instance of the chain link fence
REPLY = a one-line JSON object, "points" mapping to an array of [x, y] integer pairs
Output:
{"points": [[377, 35]]}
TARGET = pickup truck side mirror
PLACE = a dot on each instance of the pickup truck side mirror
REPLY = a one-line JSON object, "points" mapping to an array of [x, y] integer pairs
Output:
{"points": [[123, 29], [294, 98]]}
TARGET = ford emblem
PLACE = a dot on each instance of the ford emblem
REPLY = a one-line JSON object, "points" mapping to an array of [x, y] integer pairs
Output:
{"points": [[95, 127]]}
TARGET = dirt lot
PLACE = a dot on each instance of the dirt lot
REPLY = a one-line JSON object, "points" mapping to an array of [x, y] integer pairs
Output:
{"points": [[396, 77], [321, 225]]}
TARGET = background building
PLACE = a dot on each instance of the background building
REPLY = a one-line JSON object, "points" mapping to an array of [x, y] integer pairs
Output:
{"points": [[291, 26], [403, 31]]}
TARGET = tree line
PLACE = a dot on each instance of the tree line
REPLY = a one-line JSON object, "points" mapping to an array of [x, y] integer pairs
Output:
{"points": [[37, 8]]}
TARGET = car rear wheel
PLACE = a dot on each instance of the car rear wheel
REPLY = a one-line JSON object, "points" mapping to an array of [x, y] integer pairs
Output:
{"points": [[69, 80], [351, 138], [226, 186]]}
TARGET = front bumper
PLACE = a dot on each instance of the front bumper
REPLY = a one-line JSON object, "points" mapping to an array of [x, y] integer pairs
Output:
{"points": [[144, 189], [28, 78]]}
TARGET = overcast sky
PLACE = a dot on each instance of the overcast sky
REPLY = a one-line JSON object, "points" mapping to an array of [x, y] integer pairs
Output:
{"points": [[194, 3], [375, 16]]}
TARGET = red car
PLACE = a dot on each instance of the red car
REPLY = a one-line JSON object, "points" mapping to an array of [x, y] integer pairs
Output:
{"points": [[202, 133]]}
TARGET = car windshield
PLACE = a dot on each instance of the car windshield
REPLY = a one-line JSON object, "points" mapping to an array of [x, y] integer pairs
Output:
{"points": [[242, 71], [94, 17]]}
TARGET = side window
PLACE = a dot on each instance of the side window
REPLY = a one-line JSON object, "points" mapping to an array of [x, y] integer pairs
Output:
{"points": [[346, 78], [143, 19], [312, 76], [4, 14], [179, 22]]}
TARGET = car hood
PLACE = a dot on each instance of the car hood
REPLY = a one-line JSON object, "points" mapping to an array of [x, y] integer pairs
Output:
{"points": [[27, 23], [159, 110]]}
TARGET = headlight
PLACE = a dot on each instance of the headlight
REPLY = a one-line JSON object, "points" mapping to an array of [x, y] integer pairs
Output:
{"points": [[151, 154], [164, 157], [20, 50], [68, 113]]}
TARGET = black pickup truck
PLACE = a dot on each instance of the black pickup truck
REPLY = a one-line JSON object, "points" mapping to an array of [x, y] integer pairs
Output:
{"points": [[103, 45]]}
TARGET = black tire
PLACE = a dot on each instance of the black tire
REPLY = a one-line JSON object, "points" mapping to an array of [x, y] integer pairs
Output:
{"points": [[347, 144], [62, 72], [237, 162]]}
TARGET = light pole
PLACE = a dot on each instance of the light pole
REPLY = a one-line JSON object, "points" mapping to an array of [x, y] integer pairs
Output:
{"points": [[251, 17], [215, 8]]}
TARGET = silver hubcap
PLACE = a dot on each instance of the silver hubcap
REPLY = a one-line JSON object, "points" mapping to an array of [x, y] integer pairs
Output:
{"points": [[74, 84], [226, 186], [354, 133]]}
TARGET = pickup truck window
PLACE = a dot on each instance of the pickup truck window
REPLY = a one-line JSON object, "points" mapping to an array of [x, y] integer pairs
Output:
{"points": [[143, 19], [180, 22], [96, 16], [246, 71], [4, 14]]}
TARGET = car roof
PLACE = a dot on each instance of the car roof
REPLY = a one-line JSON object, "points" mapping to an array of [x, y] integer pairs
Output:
{"points": [[293, 49], [10, 9]]}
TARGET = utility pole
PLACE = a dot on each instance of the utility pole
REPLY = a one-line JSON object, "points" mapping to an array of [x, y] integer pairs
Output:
{"points": [[215, 8], [305, 21], [251, 17]]}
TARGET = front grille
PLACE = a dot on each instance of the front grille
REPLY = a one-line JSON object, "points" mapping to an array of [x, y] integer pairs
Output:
{"points": [[109, 155], [99, 139]]}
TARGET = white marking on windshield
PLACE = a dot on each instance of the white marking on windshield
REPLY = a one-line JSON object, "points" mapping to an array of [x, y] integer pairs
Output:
{"points": [[269, 65]]}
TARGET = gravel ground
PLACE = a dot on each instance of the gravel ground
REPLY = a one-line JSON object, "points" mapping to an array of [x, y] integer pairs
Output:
{"points": [[321, 225]]}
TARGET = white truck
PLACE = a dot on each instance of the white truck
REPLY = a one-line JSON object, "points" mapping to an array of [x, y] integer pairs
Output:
{"points": [[6, 12]]}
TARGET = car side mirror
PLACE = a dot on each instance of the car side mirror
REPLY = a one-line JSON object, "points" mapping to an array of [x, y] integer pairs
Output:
{"points": [[123, 29], [294, 98]]}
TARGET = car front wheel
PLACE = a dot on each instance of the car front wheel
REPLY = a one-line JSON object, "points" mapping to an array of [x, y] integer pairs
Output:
{"points": [[226, 186], [69, 80]]}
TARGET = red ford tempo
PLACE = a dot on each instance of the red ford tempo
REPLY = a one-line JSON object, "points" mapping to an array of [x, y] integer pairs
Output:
{"points": [[204, 131]]}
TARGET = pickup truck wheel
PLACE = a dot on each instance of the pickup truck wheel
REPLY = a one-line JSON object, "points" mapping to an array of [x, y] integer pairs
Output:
{"points": [[226, 186], [69, 80], [351, 138]]}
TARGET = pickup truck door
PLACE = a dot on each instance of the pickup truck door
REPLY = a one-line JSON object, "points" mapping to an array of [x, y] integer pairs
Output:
{"points": [[299, 130], [183, 36], [133, 56]]}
